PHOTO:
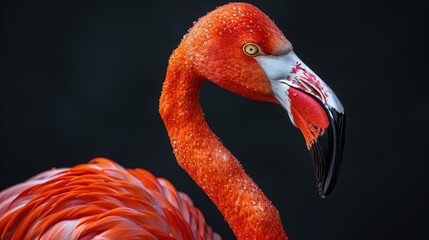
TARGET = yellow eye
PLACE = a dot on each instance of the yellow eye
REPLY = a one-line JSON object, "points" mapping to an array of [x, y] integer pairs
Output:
{"points": [[251, 49]]}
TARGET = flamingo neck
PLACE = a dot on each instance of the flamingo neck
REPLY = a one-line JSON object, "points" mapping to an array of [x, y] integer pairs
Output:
{"points": [[212, 166]]}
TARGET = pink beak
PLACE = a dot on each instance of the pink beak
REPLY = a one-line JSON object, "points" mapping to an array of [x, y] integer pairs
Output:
{"points": [[313, 108]]}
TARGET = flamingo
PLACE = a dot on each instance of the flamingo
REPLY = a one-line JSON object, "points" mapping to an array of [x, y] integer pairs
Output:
{"points": [[239, 48]]}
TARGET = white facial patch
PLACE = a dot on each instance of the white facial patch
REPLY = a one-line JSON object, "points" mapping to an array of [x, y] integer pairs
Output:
{"points": [[288, 70], [280, 91]]}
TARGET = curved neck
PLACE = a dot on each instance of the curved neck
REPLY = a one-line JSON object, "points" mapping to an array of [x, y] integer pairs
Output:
{"points": [[200, 153]]}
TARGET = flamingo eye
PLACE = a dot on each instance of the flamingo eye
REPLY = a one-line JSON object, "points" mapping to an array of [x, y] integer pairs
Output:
{"points": [[251, 49]]}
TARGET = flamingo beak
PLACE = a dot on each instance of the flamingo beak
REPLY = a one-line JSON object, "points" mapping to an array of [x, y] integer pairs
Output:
{"points": [[313, 108]]}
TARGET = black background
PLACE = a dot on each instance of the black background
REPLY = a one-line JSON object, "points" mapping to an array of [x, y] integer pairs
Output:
{"points": [[82, 79]]}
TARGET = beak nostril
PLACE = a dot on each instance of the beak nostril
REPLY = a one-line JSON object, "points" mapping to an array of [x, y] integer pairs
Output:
{"points": [[316, 92]]}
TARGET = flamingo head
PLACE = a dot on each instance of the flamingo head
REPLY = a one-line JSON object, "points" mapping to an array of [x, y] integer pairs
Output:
{"points": [[240, 48]]}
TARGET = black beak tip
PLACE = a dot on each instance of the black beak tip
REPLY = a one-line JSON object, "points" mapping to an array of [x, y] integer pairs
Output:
{"points": [[327, 153], [322, 192]]}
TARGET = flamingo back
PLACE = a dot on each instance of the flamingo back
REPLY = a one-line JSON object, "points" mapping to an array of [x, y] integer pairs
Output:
{"points": [[99, 200]]}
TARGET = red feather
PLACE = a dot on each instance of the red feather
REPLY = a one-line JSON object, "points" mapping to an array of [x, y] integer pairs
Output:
{"points": [[99, 199]]}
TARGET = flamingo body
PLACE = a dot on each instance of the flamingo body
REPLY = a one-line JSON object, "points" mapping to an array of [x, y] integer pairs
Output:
{"points": [[99, 200], [240, 49]]}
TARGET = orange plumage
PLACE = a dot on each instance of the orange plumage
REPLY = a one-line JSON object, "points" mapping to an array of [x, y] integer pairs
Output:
{"points": [[102, 200]]}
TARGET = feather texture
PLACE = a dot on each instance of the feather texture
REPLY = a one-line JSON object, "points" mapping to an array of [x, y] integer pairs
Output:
{"points": [[99, 200]]}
